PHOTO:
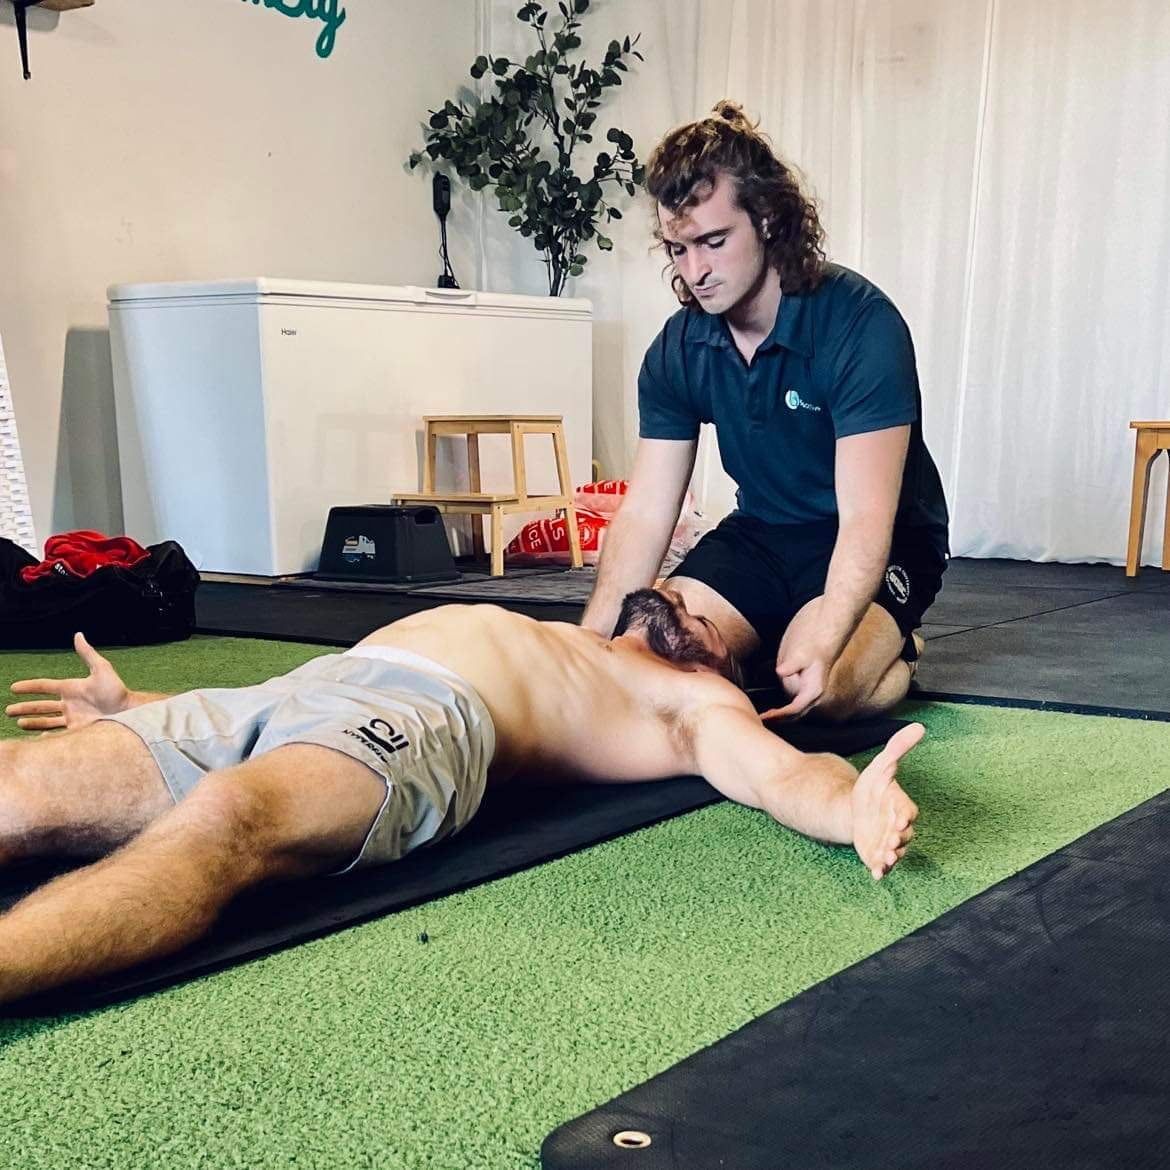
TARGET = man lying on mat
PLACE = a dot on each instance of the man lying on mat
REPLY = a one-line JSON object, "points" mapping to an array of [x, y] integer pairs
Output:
{"points": [[357, 758]]}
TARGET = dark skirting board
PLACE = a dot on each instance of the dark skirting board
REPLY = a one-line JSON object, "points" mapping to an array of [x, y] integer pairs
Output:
{"points": [[1028, 1027], [517, 827]]}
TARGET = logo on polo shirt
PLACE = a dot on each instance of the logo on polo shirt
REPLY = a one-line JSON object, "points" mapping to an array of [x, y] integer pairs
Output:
{"points": [[794, 402]]}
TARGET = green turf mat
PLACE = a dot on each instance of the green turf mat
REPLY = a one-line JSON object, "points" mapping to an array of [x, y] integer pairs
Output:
{"points": [[539, 996], [173, 666]]}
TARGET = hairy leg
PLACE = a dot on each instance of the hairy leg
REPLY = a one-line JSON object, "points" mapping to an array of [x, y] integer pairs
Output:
{"points": [[295, 811], [870, 676], [78, 793]]}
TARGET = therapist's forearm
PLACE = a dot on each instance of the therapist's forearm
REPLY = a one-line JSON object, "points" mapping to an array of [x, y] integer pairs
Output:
{"points": [[855, 573], [635, 544]]}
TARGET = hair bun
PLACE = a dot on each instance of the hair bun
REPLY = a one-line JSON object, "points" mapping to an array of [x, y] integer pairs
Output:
{"points": [[732, 113]]}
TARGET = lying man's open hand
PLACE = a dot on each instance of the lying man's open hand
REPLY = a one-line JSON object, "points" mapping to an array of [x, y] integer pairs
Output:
{"points": [[76, 702]]}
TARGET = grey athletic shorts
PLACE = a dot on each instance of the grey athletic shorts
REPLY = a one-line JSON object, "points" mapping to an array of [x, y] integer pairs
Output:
{"points": [[419, 726]]}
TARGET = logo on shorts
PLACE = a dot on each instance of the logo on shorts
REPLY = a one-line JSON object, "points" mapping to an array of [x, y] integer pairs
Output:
{"points": [[382, 739], [898, 583], [794, 402]]}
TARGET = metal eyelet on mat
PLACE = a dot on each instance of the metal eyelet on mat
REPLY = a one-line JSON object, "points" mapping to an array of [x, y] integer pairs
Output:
{"points": [[632, 1139]]}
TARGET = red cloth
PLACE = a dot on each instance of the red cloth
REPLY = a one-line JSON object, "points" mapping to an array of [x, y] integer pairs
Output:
{"points": [[77, 554]]}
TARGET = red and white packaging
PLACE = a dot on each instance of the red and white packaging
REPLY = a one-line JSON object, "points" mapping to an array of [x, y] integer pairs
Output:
{"points": [[546, 541]]}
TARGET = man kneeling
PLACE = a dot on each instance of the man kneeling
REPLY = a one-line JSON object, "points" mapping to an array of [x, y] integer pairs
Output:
{"points": [[357, 758]]}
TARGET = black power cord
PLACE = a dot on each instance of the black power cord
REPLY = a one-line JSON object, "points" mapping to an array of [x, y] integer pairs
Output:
{"points": [[441, 189]]}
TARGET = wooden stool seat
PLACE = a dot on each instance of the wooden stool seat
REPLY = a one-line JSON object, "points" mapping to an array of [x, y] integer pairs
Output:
{"points": [[1152, 438], [477, 503]]}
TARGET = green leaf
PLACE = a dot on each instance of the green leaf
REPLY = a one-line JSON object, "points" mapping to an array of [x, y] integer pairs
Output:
{"points": [[605, 244], [438, 121], [576, 269], [500, 66]]}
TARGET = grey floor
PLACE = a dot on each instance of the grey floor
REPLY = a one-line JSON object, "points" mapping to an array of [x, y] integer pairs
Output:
{"points": [[1052, 634], [1081, 635]]}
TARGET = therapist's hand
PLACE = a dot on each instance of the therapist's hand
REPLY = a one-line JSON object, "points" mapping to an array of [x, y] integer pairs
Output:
{"points": [[803, 671]]}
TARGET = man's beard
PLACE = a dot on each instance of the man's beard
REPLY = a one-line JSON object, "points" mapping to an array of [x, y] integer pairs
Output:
{"points": [[648, 610]]}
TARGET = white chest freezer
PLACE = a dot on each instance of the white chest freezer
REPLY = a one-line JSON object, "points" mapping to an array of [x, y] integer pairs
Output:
{"points": [[247, 408]]}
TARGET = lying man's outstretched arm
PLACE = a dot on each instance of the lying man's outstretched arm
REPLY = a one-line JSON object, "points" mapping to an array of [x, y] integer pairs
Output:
{"points": [[75, 702], [819, 795]]}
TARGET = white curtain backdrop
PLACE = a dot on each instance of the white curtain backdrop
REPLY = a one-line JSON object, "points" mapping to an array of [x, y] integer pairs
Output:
{"points": [[1000, 167]]}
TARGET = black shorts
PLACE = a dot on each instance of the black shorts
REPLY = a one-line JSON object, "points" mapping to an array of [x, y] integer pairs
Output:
{"points": [[770, 571]]}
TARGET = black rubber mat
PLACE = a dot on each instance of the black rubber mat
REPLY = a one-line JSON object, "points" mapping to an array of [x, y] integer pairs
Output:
{"points": [[995, 572], [1108, 653], [517, 827], [960, 604], [566, 586], [322, 616], [1028, 1027]]}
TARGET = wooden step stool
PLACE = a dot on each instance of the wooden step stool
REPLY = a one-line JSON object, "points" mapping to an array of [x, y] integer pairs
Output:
{"points": [[477, 503], [1153, 437]]}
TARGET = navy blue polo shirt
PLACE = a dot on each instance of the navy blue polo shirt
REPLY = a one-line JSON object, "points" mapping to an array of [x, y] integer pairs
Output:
{"points": [[839, 361]]}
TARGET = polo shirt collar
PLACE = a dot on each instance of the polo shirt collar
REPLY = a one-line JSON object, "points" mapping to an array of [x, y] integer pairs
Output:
{"points": [[791, 329]]}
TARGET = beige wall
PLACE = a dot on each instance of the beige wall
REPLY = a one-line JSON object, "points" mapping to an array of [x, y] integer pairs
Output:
{"points": [[191, 139]]}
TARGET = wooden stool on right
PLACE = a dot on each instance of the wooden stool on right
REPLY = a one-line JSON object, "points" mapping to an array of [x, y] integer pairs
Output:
{"points": [[1153, 437]]}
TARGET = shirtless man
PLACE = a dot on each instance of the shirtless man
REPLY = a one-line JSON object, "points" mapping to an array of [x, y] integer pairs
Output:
{"points": [[357, 758]]}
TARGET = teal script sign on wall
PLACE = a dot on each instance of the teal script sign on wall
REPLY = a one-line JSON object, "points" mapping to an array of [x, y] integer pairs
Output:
{"points": [[324, 10]]}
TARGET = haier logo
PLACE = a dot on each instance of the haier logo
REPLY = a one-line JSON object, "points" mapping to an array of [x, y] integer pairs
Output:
{"points": [[794, 402]]}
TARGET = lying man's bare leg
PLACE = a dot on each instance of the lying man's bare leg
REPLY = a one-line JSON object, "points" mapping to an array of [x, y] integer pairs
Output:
{"points": [[296, 811], [79, 794]]}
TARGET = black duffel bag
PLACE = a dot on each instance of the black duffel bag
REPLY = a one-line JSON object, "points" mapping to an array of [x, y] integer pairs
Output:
{"points": [[115, 605]]}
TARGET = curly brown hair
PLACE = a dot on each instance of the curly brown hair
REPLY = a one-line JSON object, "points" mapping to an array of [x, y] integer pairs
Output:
{"points": [[687, 163]]}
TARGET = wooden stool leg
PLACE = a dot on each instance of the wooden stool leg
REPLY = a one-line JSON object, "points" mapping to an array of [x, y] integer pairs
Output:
{"points": [[1166, 522], [432, 445], [474, 483], [1143, 457], [519, 473], [497, 541], [570, 513], [562, 454]]}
